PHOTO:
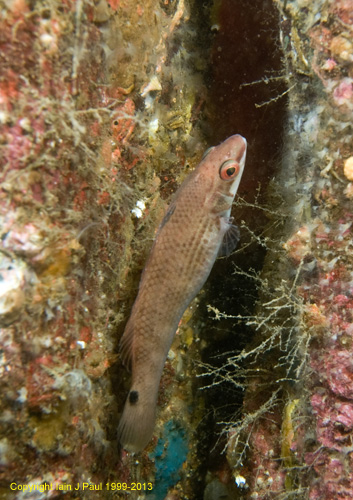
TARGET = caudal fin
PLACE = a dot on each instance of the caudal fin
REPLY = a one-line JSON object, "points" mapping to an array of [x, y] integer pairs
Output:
{"points": [[137, 422]]}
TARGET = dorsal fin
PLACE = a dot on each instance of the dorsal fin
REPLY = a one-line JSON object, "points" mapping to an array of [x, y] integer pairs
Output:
{"points": [[126, 344]]}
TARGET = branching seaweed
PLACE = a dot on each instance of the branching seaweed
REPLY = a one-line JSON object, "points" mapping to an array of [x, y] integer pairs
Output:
{"points": [[280, 338], [239, 433]]}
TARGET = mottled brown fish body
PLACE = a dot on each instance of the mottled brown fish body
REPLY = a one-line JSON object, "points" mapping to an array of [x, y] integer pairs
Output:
{"points": [[187, 244]]}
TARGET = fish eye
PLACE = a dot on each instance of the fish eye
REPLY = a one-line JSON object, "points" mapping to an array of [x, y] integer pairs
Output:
{"points": [[229, 170], [206, 152]]}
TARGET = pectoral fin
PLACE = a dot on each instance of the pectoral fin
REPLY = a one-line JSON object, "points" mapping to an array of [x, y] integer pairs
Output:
{"points": [[230, 241]]}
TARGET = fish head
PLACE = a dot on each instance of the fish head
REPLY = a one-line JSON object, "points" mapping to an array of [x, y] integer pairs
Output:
{"points": [[221, 169]]}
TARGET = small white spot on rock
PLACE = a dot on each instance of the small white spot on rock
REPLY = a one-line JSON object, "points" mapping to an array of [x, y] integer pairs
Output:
{"points": [[240, 481], [22, 398]]}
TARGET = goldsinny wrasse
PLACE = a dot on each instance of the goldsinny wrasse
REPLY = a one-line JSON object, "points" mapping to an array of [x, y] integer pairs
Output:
{"points": [[196, 229]]}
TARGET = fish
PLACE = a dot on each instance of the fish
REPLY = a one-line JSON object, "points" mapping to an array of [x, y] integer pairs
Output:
{"points": [[196, 229]]}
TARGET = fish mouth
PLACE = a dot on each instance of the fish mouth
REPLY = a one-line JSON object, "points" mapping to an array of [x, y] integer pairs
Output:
{"points": [[235, 184]]}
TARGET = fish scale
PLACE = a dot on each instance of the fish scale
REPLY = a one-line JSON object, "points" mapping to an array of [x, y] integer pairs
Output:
{"points": [[186, 245]]}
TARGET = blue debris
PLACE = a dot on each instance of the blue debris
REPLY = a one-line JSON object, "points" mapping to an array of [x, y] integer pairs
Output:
{"points": [[168, 459]]}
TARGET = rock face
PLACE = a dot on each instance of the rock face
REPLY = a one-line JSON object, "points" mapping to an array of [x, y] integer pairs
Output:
{"points": [[98, 122], [299, 443], [104, 108]]}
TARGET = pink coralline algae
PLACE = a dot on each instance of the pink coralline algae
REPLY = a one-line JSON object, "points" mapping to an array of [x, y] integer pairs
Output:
{"points": [[334, 422], [343, 93], [265, 440], [72, 141], [50, 406], [331, 367], [316, 456]]}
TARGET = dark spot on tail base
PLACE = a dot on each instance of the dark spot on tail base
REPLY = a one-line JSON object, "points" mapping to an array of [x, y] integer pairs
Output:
{"points": [[133, 397]]}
